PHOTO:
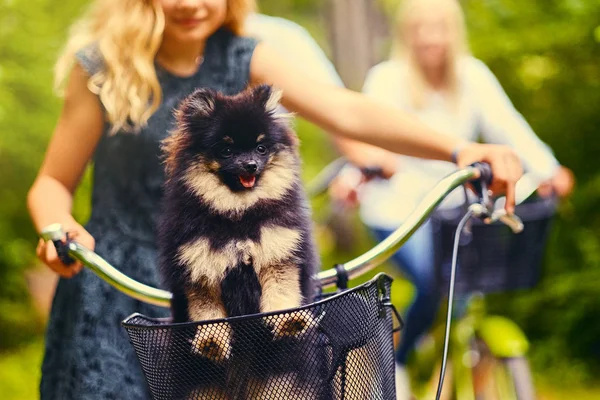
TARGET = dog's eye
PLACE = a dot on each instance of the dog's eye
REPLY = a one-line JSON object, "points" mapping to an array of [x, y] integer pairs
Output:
{"points": [[261, 149], [226, 152]]}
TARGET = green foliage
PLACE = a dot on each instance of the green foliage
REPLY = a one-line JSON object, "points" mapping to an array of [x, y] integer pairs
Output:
{"points": [[30, 38], [20, 372], [546, 56]]}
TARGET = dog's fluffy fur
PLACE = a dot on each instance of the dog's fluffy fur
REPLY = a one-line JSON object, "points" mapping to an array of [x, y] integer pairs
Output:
{"points": [[235, 231]]}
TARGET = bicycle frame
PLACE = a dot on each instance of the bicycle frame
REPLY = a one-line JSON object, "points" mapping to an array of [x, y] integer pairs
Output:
{"points": [[351, 269], [503, 338]]}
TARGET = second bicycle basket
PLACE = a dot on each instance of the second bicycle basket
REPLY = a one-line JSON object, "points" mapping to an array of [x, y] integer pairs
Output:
{"points": [[491, 258], [337, 348]]}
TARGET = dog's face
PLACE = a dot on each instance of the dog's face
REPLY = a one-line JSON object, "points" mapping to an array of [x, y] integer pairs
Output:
{"points": [[237, 140], [243, 146]]}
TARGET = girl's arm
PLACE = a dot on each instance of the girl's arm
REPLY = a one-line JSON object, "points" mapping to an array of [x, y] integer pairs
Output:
{"points": [[354, 116], [75, 137], [384, 84], [347, 113]]}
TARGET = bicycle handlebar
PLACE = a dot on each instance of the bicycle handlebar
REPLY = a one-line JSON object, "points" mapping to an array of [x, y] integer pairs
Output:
{"points": [[358, 266], [106, 271]]}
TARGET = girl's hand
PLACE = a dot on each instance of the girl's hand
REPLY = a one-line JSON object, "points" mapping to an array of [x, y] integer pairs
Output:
{"points": [[505, 163], [343, 189], [563, 182], [46, 251]]}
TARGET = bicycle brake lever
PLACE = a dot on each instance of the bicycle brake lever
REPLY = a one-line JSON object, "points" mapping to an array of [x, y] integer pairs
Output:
{"points": [[480, 186], [512, 221]]}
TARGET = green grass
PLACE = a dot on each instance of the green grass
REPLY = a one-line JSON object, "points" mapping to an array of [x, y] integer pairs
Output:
{"points": [[548, 392], [20, 372]]}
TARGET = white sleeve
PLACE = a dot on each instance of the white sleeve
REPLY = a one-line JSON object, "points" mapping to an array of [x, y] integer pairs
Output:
{"points": [[383, 82], [295, 44], [501, 123]]}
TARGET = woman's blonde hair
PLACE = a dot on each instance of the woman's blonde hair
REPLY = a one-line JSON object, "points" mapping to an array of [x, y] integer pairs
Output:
{"points": [[128, 34], [407, 12]]}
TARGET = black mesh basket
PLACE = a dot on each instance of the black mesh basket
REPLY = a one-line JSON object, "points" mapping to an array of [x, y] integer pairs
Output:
{"points": [[337, 348], [491, 258]]}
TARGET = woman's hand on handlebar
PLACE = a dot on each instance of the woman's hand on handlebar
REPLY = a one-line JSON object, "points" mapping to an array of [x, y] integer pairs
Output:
{"points": [[561, 183], [343, 190], [505, 163], [46, 251]]}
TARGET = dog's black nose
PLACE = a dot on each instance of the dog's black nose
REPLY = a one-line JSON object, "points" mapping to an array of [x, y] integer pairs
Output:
{"points": [[251, 166]]}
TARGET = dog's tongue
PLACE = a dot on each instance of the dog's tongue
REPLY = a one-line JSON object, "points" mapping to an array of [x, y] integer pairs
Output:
{"points": [[247, 181]]}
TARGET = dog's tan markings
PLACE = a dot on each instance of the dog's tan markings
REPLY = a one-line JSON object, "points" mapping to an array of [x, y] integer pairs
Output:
{"points": [[277, 179], [204, 303], [245, 251], [213, 166], [272, 107], [172, 146], [282, 386], [210, 266], [227, 139], [274, 99], [276, 244], [205, 262], [280, 287], [260, 138]]}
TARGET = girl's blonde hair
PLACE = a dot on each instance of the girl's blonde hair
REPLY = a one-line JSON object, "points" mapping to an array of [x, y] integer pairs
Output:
{"points": [[128, 34], [407, 12]]}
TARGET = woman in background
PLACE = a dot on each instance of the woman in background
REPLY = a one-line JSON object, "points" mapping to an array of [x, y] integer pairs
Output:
{"points": [[432, 75]]}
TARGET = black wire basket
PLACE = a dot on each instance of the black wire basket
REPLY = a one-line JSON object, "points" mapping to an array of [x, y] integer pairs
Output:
{"points": [[337, 348], [491, 258]]}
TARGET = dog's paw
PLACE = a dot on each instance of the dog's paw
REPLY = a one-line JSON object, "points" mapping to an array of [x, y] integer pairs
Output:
{"points": [[292, 325], [212, 343]]}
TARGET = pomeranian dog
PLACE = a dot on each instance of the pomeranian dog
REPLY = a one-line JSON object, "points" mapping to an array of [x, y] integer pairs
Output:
{"points": [[235, 231]]}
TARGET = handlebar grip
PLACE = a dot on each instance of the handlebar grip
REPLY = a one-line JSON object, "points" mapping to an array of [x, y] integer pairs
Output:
{"points": [[62, 249], [371, 172], [480, 185], [485, 172], [55, 234]]}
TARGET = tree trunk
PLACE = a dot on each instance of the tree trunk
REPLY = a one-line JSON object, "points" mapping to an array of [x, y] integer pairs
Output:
{"points": [[357, 31]]}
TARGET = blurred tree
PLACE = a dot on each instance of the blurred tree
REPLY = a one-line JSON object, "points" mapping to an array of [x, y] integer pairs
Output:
{"points": [[31, 34], [355, 27]]}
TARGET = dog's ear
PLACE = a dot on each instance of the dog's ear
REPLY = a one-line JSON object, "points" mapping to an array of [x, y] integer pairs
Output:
{"points": [[268, 97], [201, 103], [172, 147], [294, 139]]}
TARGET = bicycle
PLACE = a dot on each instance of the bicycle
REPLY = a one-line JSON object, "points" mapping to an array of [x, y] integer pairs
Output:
{"points": [[350, 344], [489, 352]]}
